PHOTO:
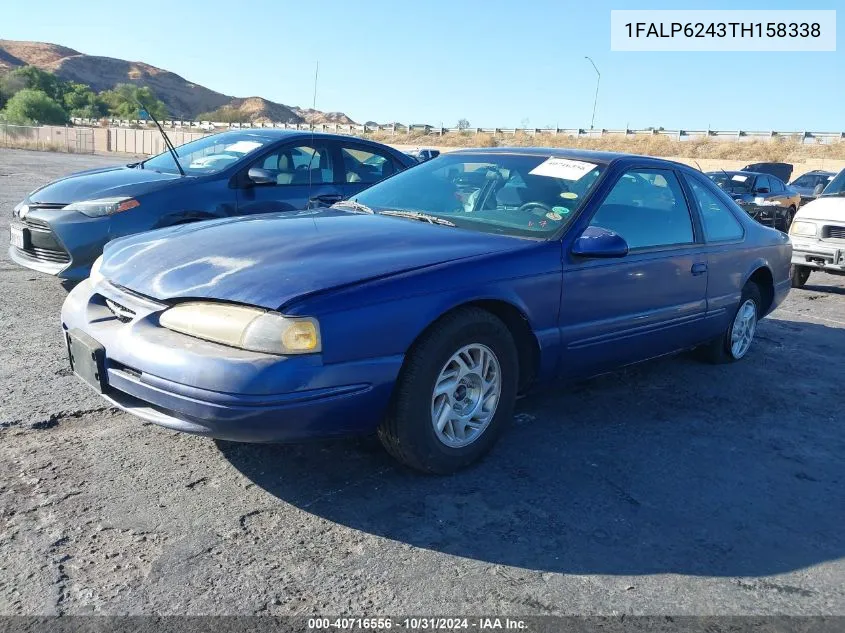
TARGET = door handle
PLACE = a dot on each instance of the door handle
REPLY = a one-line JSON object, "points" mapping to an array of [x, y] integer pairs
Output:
{"points": [[699, 268]]}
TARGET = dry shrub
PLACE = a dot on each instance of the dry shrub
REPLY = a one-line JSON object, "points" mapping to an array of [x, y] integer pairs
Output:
{"points": [[786, 149]]}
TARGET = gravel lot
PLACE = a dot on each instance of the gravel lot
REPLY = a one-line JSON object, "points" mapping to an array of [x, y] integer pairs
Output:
{"points": [[671, 488]]}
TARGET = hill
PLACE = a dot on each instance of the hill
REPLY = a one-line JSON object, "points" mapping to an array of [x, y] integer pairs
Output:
{"points": [[183, 98]]}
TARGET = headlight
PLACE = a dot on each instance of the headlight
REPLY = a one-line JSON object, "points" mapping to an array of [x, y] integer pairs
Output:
{"points": [[103, 206], [241, 326], [95, 275], [806, 229]]}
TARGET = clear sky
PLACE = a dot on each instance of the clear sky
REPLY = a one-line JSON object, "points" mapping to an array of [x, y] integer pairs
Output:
{"points": [[495, 62]]}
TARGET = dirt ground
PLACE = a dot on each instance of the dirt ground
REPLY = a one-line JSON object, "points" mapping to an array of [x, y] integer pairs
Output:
{"points": [[670, 488]]}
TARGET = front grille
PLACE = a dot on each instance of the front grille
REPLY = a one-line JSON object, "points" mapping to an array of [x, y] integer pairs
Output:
{"points": [[37, 225], [833, 232], [123, 314], [48, 255], [42, 244], [47, 205]]}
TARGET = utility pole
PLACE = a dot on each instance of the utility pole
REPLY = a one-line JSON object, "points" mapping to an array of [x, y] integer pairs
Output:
{"points": [[596, 100]]}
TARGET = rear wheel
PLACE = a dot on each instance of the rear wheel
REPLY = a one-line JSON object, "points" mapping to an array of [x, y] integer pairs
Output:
{"points": [[455, 393], [735, 342], [800, 275], [787, 220]]}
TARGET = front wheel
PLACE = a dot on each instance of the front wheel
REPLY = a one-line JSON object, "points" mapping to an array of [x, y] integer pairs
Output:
{"points": [[799, 275], [455, 393], [735, 342]]}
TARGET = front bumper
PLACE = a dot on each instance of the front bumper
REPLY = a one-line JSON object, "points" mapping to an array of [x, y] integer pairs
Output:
{"points": [[199, 387], [61, 243], [819, 255]]}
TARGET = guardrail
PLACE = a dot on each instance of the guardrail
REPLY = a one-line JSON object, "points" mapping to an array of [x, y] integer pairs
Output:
{"points": [[808, 137]]}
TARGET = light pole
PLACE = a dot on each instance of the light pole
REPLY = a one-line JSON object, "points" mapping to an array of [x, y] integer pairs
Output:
{"points": [[596, 100]]}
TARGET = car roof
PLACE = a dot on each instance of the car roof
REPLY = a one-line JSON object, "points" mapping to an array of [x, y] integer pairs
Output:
{"points": [[276, 134], [603, 158]]}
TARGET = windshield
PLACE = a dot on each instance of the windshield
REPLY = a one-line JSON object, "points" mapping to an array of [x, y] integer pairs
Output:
{"points": [[811, 180], [733, 182], [836, 187], [512, 194], [209, 154]]}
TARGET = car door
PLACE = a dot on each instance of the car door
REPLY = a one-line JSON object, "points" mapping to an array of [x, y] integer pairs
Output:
{"points": [[723, 234], [302, 173], [363, 165], [647, 303], [783, 198]]}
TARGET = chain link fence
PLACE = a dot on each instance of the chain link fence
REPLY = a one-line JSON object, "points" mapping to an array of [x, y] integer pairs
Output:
{"points": [[52, 138]]}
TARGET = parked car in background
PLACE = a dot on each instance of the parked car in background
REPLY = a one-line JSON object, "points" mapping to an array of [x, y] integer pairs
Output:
{"points": [[61, 228], [764, 197], [778, 170], [810, 185], [818, 234], [421, 306], [422, 155]]}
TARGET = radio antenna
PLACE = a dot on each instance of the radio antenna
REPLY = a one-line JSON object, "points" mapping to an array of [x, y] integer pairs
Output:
{"points": [[311, 125]]}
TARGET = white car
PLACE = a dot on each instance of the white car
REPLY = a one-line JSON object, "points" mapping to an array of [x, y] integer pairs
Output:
{"points": [[818, 234]]}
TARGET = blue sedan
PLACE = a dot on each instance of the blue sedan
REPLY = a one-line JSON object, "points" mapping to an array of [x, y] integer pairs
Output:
{"points": [[421, 307], [62, 227]]}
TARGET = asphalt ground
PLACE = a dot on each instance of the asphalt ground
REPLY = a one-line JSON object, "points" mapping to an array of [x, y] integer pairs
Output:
{"points": [[669, 488]]}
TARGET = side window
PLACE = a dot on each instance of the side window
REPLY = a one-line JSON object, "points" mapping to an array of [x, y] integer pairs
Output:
{"points": [[776, 185], [299, 165], [648, 209], [365, 166], [762, 182], [720, 225]]}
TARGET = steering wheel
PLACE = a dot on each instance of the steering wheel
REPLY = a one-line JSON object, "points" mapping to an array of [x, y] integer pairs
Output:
{"points": [[536, 207]]}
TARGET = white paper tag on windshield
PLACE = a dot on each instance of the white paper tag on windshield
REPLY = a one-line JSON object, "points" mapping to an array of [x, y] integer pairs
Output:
{"points": [[739, 177], [243, 147], [564, 168]]}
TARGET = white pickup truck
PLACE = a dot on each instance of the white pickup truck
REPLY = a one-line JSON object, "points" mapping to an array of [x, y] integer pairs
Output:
{"points": [[818, 234]]}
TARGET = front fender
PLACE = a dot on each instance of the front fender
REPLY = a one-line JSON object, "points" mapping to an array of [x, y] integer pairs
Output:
{"points": [[384, 318]]}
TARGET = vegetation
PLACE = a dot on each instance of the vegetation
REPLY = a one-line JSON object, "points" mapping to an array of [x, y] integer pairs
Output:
{"points": [[30, 95], [226, 114], [779, 149], [28, 106]]}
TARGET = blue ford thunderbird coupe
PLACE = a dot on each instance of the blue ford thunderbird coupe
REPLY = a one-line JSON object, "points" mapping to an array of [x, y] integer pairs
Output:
{"points": [[422, 306]]}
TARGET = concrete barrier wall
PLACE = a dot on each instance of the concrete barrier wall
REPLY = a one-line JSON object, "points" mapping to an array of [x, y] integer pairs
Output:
{"points": [[148, 142]]}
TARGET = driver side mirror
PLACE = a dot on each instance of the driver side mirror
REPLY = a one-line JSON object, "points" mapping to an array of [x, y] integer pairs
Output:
{"points": [[762, 190], [261, 176], [599, 242]]}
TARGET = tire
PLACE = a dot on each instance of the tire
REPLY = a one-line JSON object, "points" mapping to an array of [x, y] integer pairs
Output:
{"points": [[799, 275], [721, 350], [408, 431], [787, 221]]}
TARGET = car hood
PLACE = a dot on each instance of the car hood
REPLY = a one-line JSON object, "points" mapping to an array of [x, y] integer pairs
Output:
{"points": [[830, 208], [270, 260], [102, 183]]}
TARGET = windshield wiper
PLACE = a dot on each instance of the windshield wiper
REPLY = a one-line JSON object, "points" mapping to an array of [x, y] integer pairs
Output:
{"points": [[353, 204], [418, 215], [167, 142]]}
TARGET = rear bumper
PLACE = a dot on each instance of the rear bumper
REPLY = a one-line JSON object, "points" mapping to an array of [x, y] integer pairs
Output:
{"points": [[194, 386], [818, 255]]}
